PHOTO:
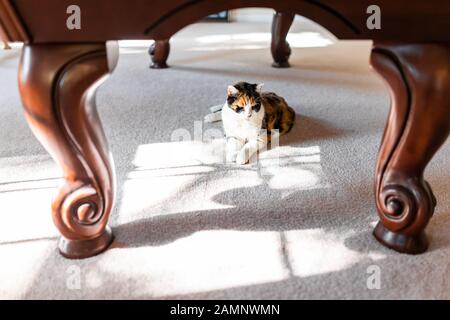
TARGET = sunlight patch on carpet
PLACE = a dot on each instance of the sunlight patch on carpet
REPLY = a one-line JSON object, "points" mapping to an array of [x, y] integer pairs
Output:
{"points": [[257, 40], [206, 260], [20, 267], [212, 260], [190, 176]]}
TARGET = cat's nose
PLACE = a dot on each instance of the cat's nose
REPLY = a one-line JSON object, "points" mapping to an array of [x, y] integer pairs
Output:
{"points": [[249, 115]]}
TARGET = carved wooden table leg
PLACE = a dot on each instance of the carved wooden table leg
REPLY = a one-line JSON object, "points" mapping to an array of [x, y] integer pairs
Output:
{"points": [[419, 123], [159, 53], [281, 51], [58, 84]]}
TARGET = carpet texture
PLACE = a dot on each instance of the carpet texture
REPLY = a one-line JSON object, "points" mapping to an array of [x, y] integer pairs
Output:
{"points": [[295, 225]]}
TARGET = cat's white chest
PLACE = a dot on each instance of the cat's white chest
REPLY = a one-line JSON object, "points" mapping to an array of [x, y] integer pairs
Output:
{"points": [[235, 125]]}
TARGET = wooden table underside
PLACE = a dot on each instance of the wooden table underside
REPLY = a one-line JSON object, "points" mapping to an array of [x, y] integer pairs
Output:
{"points": [[60, 70]]}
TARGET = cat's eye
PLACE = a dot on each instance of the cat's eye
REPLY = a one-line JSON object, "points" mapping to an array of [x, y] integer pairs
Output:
{"points": [[256, 107], [239, 109], [231, 99]]}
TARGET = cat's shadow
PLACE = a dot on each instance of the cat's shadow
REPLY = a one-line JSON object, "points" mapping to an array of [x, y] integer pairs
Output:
{"points": [[307, 129]]}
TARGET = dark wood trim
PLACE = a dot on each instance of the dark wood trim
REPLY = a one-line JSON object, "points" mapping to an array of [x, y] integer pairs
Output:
{"points": [[160, 20], [193, 11], [177, 9], [57, 84], [12, 29], [336, 13], [198, 3], [418, 124]]}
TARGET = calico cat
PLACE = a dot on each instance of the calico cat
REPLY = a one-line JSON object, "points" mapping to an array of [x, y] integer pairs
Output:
{"points": [[246, 115]]}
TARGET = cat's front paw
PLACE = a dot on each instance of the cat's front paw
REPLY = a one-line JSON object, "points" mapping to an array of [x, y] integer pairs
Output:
{"points": [[231, 157], [242, 157]]}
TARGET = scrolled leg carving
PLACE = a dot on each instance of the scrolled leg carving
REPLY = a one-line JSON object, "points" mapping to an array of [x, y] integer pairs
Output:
{"points": [[418, 76], [159, 53], [281, 51], [58, 84]]}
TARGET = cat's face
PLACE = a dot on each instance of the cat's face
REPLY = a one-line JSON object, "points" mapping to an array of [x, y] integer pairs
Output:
{"points": [[244, 99]]}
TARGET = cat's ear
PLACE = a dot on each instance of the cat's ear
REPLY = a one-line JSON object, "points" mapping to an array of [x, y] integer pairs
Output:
{"points": [[231, 91], [259, 87]]}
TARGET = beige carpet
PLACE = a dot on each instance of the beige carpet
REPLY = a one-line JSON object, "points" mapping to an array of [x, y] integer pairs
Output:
{"points": [[188, 226]]}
